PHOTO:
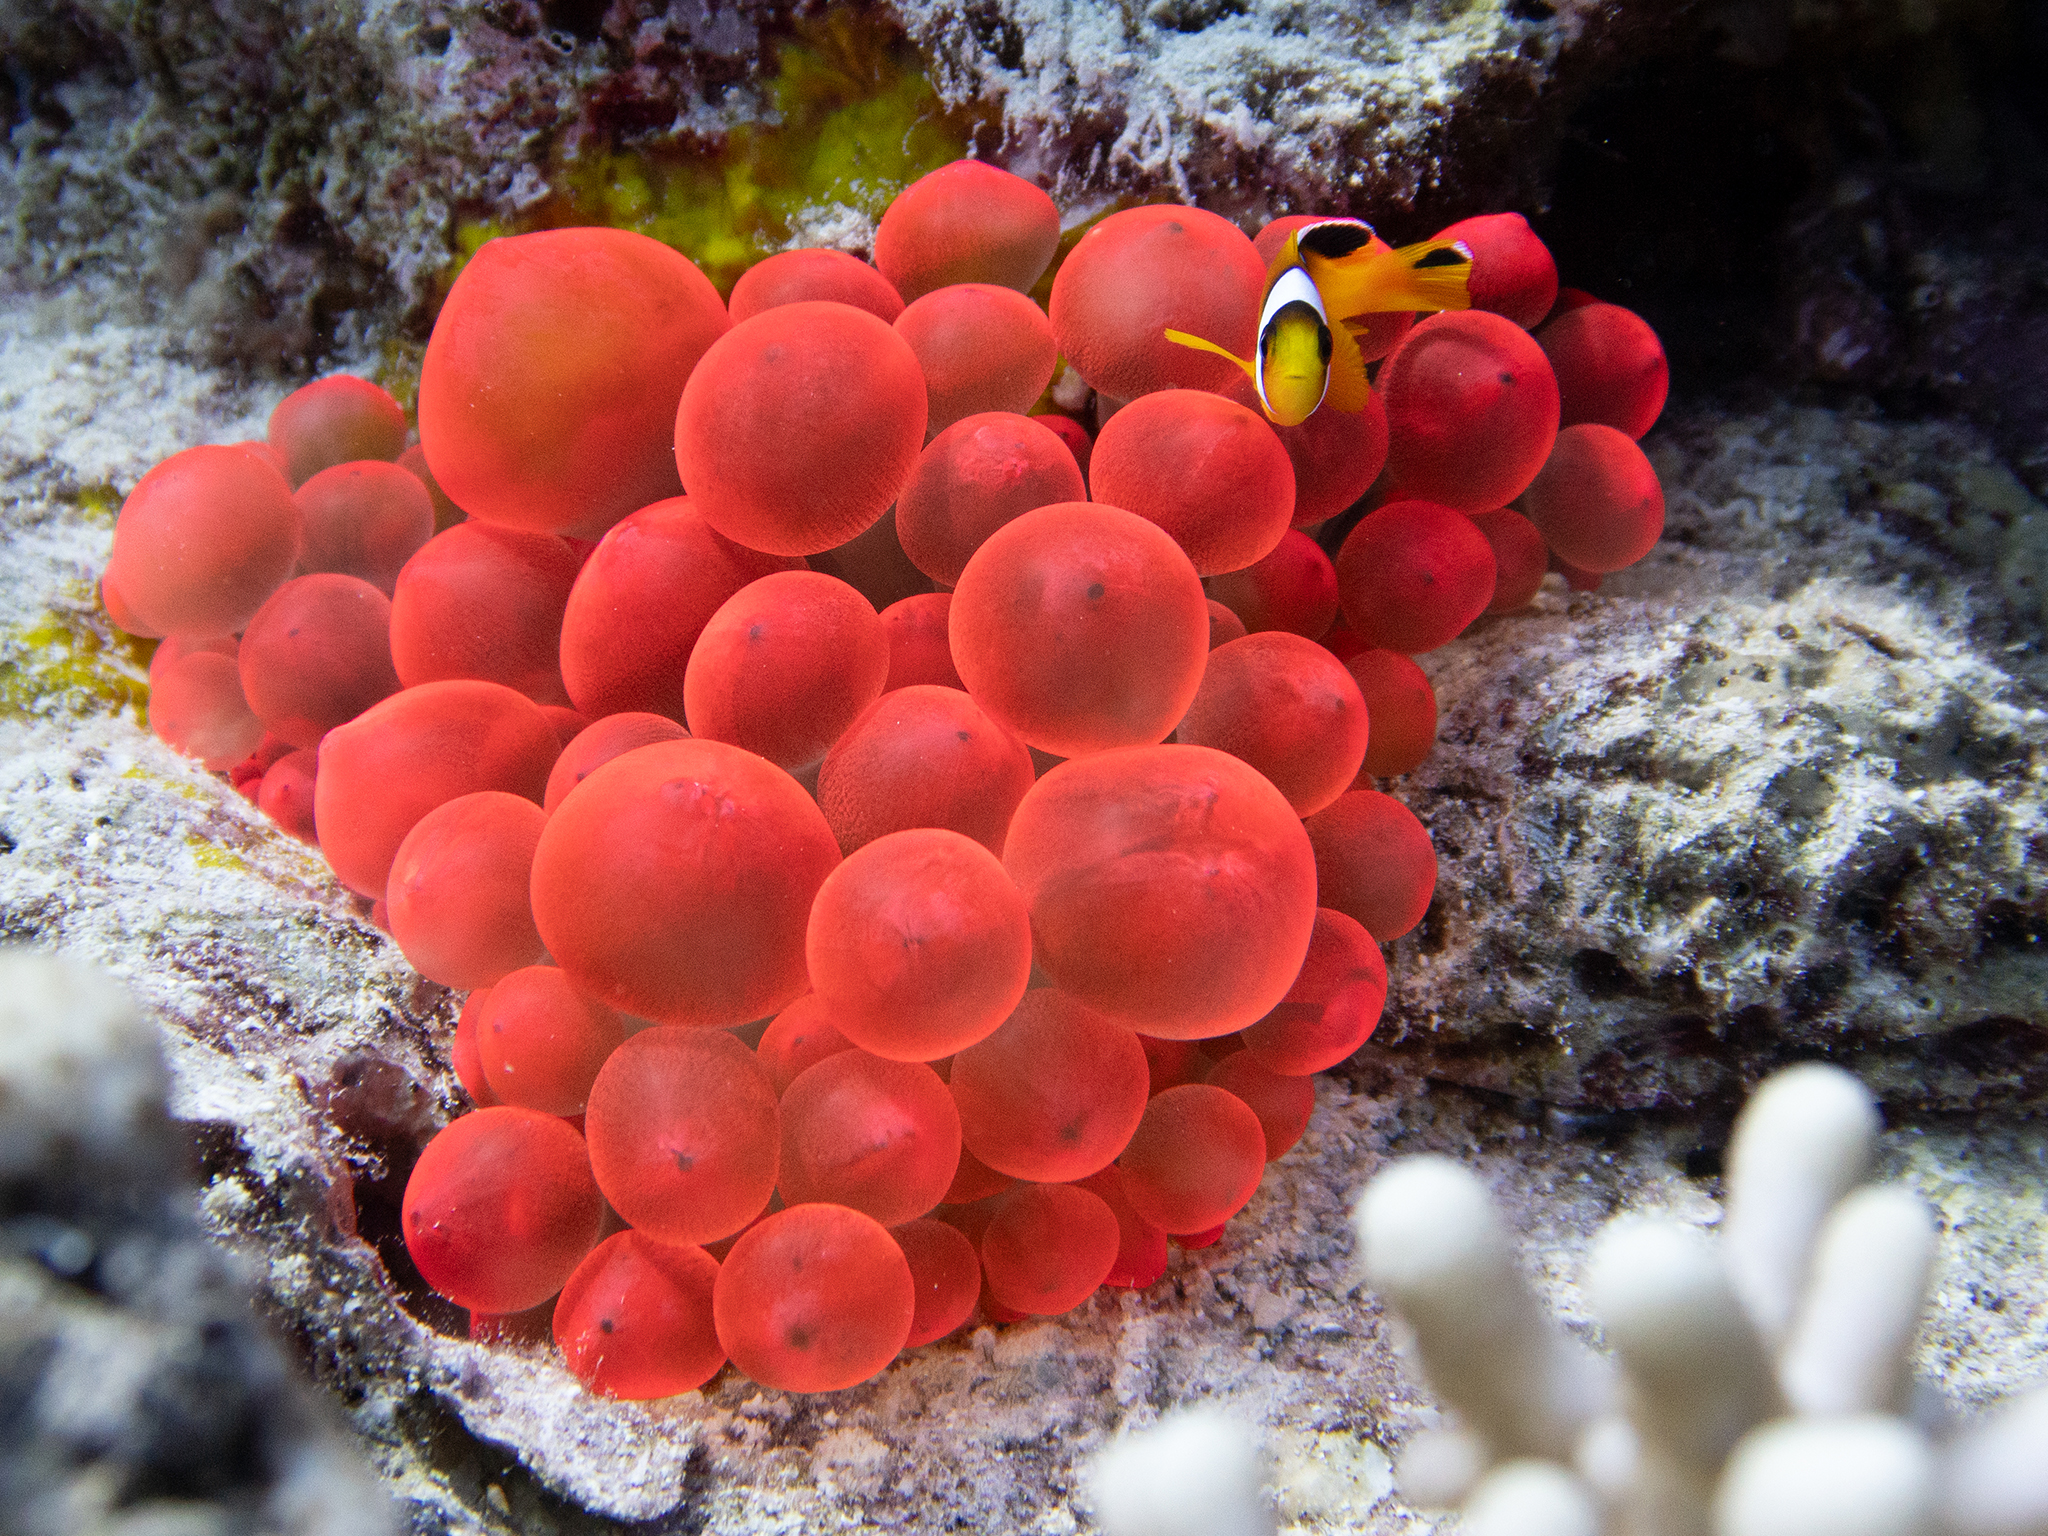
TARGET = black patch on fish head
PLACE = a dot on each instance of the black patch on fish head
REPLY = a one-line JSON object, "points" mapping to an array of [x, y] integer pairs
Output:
{"points": [[1339, 237]]}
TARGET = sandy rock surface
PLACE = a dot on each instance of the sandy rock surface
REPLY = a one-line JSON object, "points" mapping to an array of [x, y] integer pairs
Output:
{"points": [[1776, 791]]}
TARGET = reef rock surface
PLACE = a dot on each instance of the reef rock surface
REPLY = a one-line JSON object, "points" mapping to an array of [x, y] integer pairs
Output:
{"points": [[1777, 792], [1774, 793]]}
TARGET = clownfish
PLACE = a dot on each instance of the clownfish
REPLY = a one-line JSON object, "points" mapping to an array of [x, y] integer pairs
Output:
{"points": [[1304, 359]]}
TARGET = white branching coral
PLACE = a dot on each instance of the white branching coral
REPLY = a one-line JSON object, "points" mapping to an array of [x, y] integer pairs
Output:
{"points": [[1764, 1383], [1760, 1385]]}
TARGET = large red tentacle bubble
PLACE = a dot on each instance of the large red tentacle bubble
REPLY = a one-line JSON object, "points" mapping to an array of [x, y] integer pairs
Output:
{"points": [[1172, 888], [605, 322], [1206, 469], [1145, 270], [676, 883], [968, 222], [800, 426], [1472, 409], [203, 540], [1080, 627]]}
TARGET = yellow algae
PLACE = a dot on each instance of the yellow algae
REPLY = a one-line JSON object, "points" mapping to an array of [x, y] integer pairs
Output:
{"points": [[397, 371], [72, 661], [857, 122], [98, 503], [175, 786], [208, 854]]}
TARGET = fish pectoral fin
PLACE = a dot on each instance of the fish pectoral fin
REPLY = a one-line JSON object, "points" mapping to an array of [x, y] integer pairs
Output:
{"points": [[1182, 338], [1348, 389]]}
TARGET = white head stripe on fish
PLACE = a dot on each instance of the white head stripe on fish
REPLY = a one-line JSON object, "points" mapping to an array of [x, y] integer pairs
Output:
{"points": [[1294, 286]]}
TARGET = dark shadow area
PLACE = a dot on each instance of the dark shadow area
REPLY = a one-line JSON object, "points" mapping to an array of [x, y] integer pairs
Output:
{"points": [[1851, 210]]}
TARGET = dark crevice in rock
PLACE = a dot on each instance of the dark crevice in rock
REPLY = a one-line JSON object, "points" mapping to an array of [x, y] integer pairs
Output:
{"points": [[381, 1118], [1873, 905], [1599, 974], [2007, 925], [996, 32], [31, 922], [1998, 1047], [582, 19], [1652, 212]]}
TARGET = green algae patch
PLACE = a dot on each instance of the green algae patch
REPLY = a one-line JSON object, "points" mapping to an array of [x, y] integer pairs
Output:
{"points": [[73, 663], [397, 370], [855, 121]]}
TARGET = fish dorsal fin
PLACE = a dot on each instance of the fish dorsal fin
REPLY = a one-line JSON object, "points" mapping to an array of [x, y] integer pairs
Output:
{"points": [[1334, 239], [1347, 390], [1320, 240], [1429, 275]]}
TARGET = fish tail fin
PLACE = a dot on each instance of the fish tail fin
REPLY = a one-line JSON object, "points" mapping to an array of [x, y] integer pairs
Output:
{"points": [[1429, 275], [1182, 338], [1348, 389]]}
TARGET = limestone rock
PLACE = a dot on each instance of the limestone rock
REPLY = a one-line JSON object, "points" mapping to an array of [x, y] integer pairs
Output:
{"points": [[1776, 791]]}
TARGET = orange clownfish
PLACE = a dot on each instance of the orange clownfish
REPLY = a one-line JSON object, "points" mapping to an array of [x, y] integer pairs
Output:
{"points": [[1331, 269]]}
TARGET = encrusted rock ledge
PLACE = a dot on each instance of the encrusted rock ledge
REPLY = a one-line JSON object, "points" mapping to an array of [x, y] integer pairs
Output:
{"points": [[283, 182]]}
